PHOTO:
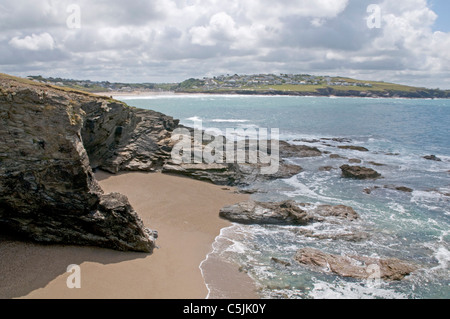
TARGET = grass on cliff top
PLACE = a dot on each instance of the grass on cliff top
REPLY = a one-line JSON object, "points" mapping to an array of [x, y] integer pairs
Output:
{"points": [[29, 82], [376, 86]]}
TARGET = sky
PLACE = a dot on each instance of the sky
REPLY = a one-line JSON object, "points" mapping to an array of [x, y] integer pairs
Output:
{"points": [[401, 41]]}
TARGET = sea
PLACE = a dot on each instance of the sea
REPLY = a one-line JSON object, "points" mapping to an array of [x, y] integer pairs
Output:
{"points": [[411, 226]]}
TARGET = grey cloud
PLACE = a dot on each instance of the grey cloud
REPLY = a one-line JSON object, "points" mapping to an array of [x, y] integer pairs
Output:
{"points": [[138, 40]]}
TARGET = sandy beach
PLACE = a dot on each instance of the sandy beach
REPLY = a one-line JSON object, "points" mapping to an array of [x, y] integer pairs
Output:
{"points": [[134, 93], [183, 211]]}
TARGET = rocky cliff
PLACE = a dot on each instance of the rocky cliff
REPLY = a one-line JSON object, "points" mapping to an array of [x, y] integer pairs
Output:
{"points": [[50, 138]]}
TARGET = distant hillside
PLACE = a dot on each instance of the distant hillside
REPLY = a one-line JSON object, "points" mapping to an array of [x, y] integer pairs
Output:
{"points": [[103, 86], [304, 84], [261, 84]]}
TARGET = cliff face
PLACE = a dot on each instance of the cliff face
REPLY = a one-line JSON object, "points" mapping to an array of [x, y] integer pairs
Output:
{"points": [[120, 138], [49, 138]]}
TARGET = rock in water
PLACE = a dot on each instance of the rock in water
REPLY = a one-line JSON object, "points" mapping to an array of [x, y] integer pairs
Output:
{"points": [[47, 189], [339, 211], [354, 148], [251, 212], [290, 150], [432, 158], [355, 266], [358, 172]]}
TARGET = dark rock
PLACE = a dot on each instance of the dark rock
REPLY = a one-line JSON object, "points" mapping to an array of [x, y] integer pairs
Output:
{"points": [[247, 191], [376, 164], [337, 156], [47, 188], [285, 213], [338, 140], [340, 211], [303, 140], [369, 190], [286, 170], [432, 158], [353, 148], [289, 150], [326, 168], [119, 138], [355, 161], [358, 172], [251, 212], [354, 266], [391, 187], [281, 262], [355, 236], [230, 174], [399, 188], [219, 174]]}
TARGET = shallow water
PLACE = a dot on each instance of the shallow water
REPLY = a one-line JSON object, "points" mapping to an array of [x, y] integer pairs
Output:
{"points": [[411, 226]]}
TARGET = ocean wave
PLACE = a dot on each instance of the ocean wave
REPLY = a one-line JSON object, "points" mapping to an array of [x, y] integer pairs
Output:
{"points": [[340, 289], [229, 121]]}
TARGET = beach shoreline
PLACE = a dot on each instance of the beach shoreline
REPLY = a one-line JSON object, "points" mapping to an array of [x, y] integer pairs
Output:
{"points": [[185, 214]]}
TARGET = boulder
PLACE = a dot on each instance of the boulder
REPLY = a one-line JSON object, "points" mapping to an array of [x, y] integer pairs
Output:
{"points": [[358, 172], [120, 138], [323, 212], [353, 148], [404, 189], [285, 213], [376, 164], [353, 236], [338, 140], [238, 174], [355, 266], [48, 191], [281, 262], [252, 212], [337, 156], [399, 188], [432, 158], [290, 150]]}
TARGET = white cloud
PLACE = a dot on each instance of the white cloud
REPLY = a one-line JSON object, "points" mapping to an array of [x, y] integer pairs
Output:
{"points": [[34, 42], [177, 39]]}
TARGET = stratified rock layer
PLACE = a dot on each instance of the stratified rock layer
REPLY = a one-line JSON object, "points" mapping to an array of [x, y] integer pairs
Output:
{"points": [[284, 213], [251, 212], [358, 172], [355, 266], [47, 189]]}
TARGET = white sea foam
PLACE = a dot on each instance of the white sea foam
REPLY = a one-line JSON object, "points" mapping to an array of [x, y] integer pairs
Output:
{"points": [[229, 121], [194, 119], [430, 200], [399, 208], [443, 257], [351, 290]]}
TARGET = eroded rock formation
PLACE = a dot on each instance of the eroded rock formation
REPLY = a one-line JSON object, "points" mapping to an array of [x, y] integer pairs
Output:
{"points": [[49, 139], [358, 267]]}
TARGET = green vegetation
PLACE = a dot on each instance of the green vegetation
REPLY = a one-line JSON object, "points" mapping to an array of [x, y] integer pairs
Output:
{"points": [[282, 84], [102, 86], [304, 84], [191, 84]]}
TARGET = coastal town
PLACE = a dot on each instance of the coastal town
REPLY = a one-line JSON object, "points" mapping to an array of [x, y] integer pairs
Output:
{"points": [[266, 84], [253, 81], [208, 83]]}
